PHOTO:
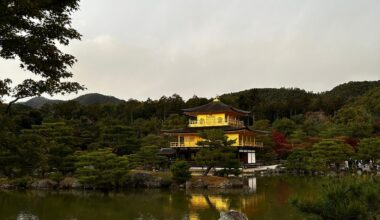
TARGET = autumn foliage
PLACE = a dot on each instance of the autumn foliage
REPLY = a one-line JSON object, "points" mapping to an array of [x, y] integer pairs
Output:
{"points": [[282, 147]]}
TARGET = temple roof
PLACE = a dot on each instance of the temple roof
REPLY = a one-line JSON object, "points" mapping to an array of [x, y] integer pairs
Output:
{"points": [[167, 151], [215, 106], [196, 130]]}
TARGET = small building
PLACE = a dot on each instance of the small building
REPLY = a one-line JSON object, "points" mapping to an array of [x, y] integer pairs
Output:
{"points": [[216, 115]]}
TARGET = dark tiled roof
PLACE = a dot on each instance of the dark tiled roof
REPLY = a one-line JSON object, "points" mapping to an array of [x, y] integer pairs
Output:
{"points": [[215, 107], [167, 151], [199, 129]]}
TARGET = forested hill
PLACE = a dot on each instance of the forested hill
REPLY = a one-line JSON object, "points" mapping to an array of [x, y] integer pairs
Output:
{"points": [[271, 103], [60, 138], [95, 98], [352, 90], [88, 99], [265, 103], [38, 102]]}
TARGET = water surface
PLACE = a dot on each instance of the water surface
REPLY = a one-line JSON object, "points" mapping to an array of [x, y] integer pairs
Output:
{"points": [[265, 198]]}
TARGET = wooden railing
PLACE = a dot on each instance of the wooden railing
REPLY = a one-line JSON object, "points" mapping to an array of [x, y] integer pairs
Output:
{"points": [[240, 144], [215, 122], [176, 144], [250, 144]]}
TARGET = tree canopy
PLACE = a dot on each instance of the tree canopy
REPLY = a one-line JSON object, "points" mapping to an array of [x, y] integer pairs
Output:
{"points": [[39, 142], [31, 31], [369, 149], [343, 199], [320, 157], [217, 151]]}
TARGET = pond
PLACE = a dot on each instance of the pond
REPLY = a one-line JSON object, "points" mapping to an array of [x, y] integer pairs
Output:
{"points": [[265, 198]]}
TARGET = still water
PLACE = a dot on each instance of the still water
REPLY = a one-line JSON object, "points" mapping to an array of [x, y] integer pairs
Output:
{"points": [[265, 198]]}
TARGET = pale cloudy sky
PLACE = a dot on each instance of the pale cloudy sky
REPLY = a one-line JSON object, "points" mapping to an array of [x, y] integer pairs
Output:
{"points": [[149, 48]]}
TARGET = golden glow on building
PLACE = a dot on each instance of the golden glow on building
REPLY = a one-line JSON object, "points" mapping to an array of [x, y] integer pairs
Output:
{"points": [[215, 115]]}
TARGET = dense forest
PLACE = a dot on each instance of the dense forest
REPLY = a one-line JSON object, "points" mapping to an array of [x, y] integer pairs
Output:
{"points": [[65, 138]]}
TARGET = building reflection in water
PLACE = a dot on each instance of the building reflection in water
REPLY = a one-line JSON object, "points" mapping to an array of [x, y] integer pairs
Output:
{"points": [[246, 202], [26, 216], [252, 184], [200, 201], [193, 216]]}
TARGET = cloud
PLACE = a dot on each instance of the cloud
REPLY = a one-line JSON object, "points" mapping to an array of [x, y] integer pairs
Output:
{"points": [[141, 49]]}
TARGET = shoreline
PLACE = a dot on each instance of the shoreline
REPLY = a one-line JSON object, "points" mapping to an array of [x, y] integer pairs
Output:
{"points": [[197, 183]]}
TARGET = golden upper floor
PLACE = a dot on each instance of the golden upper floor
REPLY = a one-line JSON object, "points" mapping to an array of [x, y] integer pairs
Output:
{"points": [[203, 120], [215, 113]]}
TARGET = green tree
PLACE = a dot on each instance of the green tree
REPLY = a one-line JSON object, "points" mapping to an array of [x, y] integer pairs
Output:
{"points": [[196, 101], [343, 199], [299, 159], [320, 157], [314, 123], [297, 136], [217, 150], [31, 32], [263, 125], [326, 153], [266, 154], [369, 149], [144, 127], [371, 101], [166, 106], [23, 155], [122, 139], [357, 120], [101, 169], [61, 144], [85, 132], [154, 140], [332, 130], [214, 139], [66, 110], [147, 158], [285, 126], [174, 121], [180, 171], [8, 154]]}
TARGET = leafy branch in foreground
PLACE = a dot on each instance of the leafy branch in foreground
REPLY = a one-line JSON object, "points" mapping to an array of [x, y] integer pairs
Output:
{"points": [[30, 32]]}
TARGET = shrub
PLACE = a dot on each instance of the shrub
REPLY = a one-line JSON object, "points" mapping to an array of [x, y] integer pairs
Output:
{"points": [[55, 176], [102, 169], [22, 182], [341, 199], [180, 171]]}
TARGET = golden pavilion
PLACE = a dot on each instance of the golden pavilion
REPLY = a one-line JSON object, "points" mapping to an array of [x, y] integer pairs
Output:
{"points": [[216, 115]]}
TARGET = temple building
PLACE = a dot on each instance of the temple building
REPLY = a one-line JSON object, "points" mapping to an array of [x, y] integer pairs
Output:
{"points": [[216, 115]]}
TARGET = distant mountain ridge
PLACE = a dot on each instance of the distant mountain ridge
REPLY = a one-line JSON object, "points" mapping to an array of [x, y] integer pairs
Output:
{"points": [[87, 99], [346, 91], [352, 89], [96, 98], [38, 102]]}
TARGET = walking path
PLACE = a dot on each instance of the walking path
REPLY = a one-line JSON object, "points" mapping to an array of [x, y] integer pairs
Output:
{"points": [[260, 168], [199, 170]]}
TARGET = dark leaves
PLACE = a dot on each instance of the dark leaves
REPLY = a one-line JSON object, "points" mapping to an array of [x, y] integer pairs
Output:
{"points": [[30, 31]]}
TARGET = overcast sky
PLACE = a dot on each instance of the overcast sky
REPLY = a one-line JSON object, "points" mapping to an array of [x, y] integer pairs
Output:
{"points": [[149, 48]]}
